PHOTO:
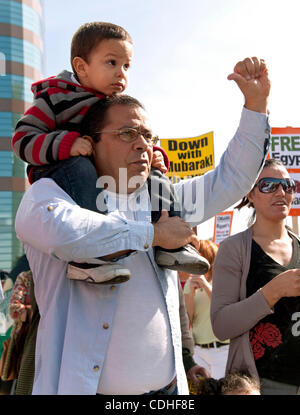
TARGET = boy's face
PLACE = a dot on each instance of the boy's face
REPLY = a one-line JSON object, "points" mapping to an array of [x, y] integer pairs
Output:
{"points": [[107, 68]]}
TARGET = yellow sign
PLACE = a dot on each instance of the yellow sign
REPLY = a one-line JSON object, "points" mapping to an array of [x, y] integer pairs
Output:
{"points": [[189, 157]]}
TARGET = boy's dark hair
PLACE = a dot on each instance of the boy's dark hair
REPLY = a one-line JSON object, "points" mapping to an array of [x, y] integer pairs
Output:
{"points": [[95, 118], [89, 35]]}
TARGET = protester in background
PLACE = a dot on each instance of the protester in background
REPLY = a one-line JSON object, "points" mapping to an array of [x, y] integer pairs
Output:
{"points": [[3, 277], [183, 277], [19, 305], [209, 351], [27, 364], [5, 319], [6, 324], [255, 300], [20, 312], [231, 384], [20, 265]]}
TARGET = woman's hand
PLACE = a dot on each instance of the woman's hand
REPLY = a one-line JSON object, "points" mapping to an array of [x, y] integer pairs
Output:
{"points": [[197, 281], [285, 284]]}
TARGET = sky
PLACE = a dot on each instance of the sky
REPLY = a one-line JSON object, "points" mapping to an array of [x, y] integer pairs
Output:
{"points": [[183, 53]]}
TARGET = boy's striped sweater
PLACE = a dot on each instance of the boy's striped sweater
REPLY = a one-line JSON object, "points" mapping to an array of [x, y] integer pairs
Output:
{"points": [[48, 129]]}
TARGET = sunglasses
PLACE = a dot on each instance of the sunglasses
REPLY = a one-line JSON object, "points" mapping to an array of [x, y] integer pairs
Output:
{"points": [[271, 184]]}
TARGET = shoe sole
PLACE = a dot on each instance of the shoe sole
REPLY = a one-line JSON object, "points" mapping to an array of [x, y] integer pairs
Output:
{"points": [[196, 269], [117, 275]]}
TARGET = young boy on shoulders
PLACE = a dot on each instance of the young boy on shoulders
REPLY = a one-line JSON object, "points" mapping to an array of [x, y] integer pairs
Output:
{"points": [[48, 136]]}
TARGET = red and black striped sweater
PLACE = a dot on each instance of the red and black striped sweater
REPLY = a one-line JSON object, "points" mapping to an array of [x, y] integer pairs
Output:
{"points": [[48, 129]]}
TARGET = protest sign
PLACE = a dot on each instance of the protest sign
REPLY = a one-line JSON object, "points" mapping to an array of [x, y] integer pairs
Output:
{"points": [[189, 157], [222, 226], [295, 209], [285, 147]]}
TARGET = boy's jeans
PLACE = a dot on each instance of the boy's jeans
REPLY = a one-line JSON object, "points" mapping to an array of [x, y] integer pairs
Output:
{"points": [[77, 176]]}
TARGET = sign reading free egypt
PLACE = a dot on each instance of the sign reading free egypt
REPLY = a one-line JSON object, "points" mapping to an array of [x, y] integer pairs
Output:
{"points": [[285, 146]]}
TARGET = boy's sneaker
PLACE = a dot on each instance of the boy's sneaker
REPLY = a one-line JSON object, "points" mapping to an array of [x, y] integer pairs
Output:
{"points": [[111, 273], [186, 259]]}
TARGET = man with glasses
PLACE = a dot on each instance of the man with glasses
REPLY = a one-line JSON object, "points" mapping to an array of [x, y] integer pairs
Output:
{"points": [[126, 339]]}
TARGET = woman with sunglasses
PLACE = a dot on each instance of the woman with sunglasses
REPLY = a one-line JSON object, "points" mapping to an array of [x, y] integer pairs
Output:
{"points": [[256, 292]]}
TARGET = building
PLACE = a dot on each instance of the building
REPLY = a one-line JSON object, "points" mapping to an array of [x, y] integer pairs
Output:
{"points": [[21, 60]]}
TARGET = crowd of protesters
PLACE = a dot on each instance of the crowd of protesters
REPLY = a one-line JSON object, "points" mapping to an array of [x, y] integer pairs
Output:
{"points": [[101, 281]]}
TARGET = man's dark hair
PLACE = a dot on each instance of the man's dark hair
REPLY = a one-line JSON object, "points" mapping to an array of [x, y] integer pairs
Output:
{"points": [[89, 35], [95, 119]]}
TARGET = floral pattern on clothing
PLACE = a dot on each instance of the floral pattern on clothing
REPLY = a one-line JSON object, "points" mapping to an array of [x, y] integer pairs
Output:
{"points": [[264, 334], [20, 297]]}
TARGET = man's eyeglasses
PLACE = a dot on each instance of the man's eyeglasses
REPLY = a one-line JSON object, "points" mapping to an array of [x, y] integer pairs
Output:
{"points": [[271, 184], [129, 135]]}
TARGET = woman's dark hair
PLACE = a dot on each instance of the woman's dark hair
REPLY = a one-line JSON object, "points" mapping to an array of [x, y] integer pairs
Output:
{"points": [[245, 201], [268, 163], [20, 265], [3, 275]]}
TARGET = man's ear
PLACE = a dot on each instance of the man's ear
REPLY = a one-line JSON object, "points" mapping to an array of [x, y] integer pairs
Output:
{"points": [[79, 65]]}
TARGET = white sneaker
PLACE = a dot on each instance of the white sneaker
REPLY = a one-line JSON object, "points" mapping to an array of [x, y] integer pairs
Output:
{"points": [[185, 259], [111, 273]]}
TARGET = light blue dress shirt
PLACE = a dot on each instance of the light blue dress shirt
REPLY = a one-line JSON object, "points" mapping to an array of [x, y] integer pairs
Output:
{"points": [[76, 318]]}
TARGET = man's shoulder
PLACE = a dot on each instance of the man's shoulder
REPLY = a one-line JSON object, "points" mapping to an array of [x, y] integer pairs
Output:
{"points": [[42, 196], [40, 184], [43, 189]]}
